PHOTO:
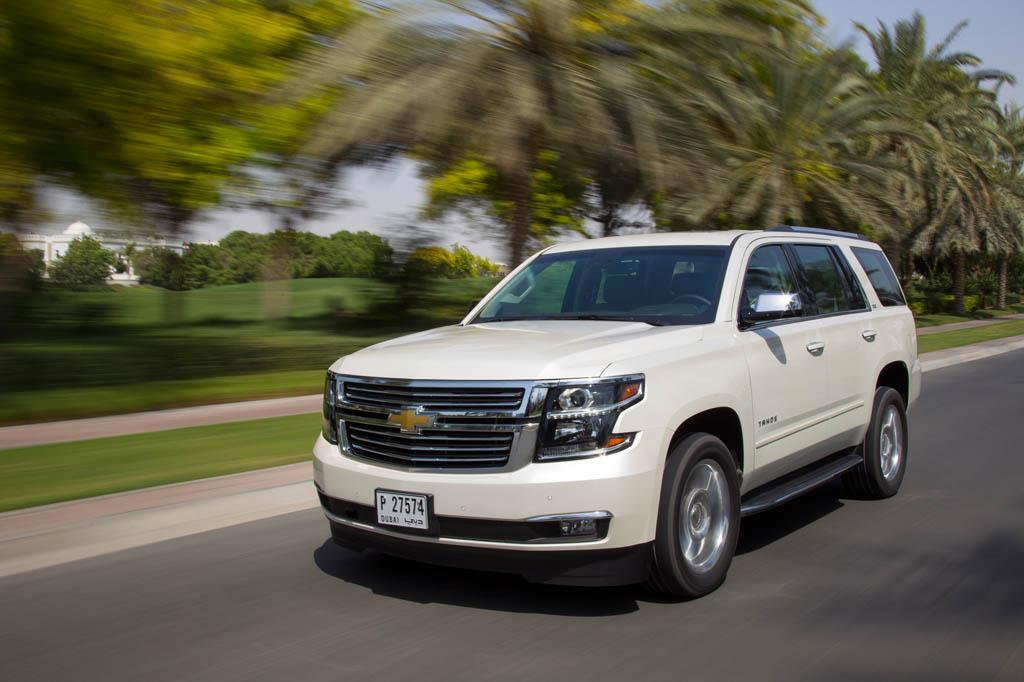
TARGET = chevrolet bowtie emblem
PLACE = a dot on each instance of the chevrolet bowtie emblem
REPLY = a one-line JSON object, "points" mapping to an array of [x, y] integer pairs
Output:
{"points": [[409, 421]]}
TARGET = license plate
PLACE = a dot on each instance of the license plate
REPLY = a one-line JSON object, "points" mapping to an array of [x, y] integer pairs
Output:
{"points": [[405, 510]]}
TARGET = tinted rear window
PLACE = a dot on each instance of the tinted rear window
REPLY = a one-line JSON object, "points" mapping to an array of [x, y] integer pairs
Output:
{"points": [[882, 278]]}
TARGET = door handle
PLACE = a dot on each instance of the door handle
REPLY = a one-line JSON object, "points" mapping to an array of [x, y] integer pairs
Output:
{"points": [[868, 334], [815, 347]]}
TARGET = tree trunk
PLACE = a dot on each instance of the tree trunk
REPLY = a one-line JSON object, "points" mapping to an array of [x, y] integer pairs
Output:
{"points": [[895, 253], [1004, 271], [959, 281], [521, 193]]}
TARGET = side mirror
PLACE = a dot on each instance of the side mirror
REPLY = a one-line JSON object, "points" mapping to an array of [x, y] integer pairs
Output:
{"points": [[772, 307]]}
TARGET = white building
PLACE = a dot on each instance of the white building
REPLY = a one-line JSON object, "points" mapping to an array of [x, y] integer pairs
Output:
{"points": [[54, 246]]}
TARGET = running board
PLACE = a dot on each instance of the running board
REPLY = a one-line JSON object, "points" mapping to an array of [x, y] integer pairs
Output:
{"points": [[773, 494]]}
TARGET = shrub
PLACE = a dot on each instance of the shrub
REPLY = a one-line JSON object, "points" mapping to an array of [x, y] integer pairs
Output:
{"points": [[86, 264]]}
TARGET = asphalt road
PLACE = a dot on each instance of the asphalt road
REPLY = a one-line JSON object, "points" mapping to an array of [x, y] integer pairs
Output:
{"points": [[928, 585]]}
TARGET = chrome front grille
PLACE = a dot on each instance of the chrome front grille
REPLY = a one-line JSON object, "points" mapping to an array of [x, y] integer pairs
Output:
{"points": [[465, 424], [433, 398], [430, 448]]}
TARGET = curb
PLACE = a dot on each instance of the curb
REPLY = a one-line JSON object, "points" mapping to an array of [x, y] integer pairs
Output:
{"points": [[54, 534]]}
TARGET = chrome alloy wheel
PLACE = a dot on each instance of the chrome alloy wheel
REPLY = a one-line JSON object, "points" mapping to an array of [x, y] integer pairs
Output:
{"points": [[704, 516], [890, 443]]}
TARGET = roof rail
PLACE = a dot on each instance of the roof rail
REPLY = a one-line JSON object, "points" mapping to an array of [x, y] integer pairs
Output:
{"points": [[816, 230]]}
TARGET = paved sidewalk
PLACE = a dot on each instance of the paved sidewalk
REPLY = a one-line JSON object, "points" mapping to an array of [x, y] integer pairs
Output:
{"points": [[55, 534], [158, 420], [59, 533], [953, 326]]}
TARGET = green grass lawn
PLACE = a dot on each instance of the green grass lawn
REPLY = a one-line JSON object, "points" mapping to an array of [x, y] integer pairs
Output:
{"points": [[103, 349], [946, 318], [66, 471], [91, 401], [965, 337]]}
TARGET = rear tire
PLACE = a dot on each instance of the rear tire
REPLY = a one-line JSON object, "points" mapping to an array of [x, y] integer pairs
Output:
{"points": [[885, 449], [698, 518]]}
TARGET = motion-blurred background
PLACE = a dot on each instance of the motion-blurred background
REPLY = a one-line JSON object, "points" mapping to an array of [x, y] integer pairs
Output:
{"points": [[210, 145]]}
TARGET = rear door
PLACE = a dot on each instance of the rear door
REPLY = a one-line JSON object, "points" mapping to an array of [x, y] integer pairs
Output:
{"points": [[850, 351]]}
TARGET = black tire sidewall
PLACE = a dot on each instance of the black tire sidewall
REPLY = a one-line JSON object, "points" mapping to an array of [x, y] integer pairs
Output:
{"points": [[676, 577], [884, 397]]}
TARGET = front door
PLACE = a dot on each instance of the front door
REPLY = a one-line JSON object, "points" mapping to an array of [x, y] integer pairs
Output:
{"points": [[788, 373]]}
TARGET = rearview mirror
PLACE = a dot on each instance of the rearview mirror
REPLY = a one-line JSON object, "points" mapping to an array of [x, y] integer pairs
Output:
{"points": [[772, 307]]}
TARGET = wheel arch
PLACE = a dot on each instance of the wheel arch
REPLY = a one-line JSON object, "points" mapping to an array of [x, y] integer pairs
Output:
{"points": [[895, 375], [723, 423]]}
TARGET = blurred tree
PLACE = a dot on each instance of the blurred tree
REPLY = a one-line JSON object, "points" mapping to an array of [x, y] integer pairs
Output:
{"points": [[162, 268], [799, 139], [1008, 220], [152, 107], [246, 255], [473, 187], [437, 261], [432, 261], [86, 263], [508, 79], [205, 265], [951, 200]]}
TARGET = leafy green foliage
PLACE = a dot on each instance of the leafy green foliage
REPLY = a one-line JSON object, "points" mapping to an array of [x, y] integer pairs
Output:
{"points": [[282, 254], [85, 264], [151, 107], [162, 268], [473, 187], [459, 262]]}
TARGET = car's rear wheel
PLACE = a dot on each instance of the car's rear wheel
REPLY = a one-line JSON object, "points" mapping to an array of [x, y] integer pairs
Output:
{"points": [[885, 448], [698, 518]]}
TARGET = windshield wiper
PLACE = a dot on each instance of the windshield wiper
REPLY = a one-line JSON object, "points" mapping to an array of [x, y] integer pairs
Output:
{"points": [[614, 318], [607, 318]]}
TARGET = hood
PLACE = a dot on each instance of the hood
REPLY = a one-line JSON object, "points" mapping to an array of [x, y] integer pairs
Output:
{"points": [[522, 350]]}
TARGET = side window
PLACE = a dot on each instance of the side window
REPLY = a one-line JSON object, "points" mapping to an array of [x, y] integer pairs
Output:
{"points": [[828, 284], [768, 272], [883, 279]]}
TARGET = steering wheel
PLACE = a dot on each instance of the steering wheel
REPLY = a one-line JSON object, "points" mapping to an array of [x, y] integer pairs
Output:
{"points": [[686, 298]]}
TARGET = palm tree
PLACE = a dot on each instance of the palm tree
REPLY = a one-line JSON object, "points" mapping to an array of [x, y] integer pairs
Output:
{"points": [[1009, 216], [795, 140], [951, 201], [510, 78]]}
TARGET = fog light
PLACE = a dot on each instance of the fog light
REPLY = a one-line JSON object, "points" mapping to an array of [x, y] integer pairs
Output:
{"points": [[576, 527]]}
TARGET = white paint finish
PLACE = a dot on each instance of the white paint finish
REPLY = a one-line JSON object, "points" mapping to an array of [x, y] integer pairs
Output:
{"points": [[525, 350], [618, 483]]}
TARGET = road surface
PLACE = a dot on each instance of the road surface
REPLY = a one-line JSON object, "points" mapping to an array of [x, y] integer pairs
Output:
{"points": [[928, 585]]}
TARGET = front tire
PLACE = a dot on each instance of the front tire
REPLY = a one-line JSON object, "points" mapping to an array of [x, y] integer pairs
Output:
{"points": [[698, 518], [885, 449]]}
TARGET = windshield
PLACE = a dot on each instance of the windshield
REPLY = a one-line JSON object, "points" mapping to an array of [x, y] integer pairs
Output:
{"points": [[660, 286]]}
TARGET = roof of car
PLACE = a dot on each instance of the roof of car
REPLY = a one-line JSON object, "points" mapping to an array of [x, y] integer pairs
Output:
{"points": [[715, 238]]}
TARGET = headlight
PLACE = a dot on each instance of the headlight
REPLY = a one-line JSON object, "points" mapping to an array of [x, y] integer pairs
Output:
{"points": [[330, 411], [578, 417]]}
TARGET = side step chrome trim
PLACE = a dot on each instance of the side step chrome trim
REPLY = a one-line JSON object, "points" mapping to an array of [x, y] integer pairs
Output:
{"points": [[772, 495]]}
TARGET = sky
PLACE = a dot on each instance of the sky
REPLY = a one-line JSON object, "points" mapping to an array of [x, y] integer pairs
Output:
{"points": [[992, 33], [386, 201]]}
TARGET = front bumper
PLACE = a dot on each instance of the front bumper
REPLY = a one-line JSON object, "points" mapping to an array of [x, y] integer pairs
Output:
{"points": [[626, 484]]}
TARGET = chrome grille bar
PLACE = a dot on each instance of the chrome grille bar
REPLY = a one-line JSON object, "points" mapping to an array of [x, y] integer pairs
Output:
{"points": [[475, 424]]}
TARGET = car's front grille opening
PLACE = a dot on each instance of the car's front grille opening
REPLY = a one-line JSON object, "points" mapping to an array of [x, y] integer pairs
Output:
{"points": [[441, 448], [434, 398]]}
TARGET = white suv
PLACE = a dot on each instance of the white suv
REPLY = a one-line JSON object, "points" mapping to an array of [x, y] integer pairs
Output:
{"points": [[613, 407]]}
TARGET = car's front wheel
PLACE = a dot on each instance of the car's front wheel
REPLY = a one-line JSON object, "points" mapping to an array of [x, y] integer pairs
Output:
{"points": [[698, 518]]}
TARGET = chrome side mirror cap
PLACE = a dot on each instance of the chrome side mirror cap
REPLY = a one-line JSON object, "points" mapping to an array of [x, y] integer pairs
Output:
{"points": [[773, 306]]}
